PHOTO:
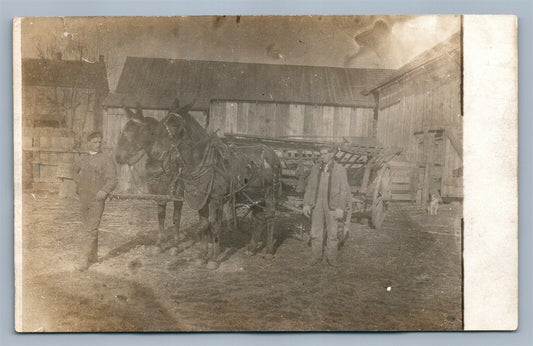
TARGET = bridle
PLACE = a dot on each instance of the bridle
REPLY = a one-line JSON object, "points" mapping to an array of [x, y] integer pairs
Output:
{"points": [[175, 142]]}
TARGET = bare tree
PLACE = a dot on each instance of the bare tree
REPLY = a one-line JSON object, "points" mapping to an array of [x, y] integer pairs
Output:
{"points": [[66, 101]]}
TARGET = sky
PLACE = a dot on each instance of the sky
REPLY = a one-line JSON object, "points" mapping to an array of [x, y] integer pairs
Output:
{"points": [[337, 41]]}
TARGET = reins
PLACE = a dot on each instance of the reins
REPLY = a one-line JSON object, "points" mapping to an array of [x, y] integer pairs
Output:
{"points": [[213, 162]]}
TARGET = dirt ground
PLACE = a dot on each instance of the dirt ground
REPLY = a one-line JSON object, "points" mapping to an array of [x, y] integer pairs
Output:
{"points": [[406, 276]]}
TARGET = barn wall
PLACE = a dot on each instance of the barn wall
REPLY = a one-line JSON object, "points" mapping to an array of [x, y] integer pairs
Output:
{"points": [[452, 179], [430, 99], [427, 99], [270, 119]]}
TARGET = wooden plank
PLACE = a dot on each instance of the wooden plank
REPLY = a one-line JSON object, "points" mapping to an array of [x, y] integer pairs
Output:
{"points": [[360, 124], [116, 126], [48, 172], [341, 122], [317, 115], [269, 119], [254, 121], [152, 197], [365, 121], [51, 150], [411, 152], [44, 142], [360, 146], [243, 109], [354, 130], [309, 125], [455, 140], [282, 119], [328, 119], [369, 119], [366, 174], [230, 124], [429, 144], [406, 108], [400, 188], [401, 197], [296, 120], [259, 121], [105, 126], [446, 171], [217, 117], [341, 156]]}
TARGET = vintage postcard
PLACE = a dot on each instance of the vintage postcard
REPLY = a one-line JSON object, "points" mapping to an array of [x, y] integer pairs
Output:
{"points": [[265, 173]]}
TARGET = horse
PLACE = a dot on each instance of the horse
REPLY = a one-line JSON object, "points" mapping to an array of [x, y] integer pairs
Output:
{"points": [[161, 176], [215, 173]]}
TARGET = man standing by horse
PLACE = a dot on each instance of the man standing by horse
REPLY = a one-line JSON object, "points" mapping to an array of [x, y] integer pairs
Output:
{"points": [[327, 196], [96, 177]]}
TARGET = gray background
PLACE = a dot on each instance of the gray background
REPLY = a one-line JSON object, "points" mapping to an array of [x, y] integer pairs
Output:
{"points": [[12, 8]]}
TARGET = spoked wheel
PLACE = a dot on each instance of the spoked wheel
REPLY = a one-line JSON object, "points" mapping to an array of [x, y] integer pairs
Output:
{"points": [[381, 190], [378, 213]]}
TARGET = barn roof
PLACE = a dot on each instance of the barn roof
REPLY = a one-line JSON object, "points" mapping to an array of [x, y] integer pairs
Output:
{"points": [[65, 73], [449, 48], [155, 83]]}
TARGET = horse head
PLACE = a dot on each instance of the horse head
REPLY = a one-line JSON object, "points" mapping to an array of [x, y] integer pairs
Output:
{"points": [[136, 136], [170, 131], [179, 135]]}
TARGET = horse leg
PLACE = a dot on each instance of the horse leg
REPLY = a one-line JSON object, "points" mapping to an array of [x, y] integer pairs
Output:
{"points": [[161, 214], [269, 253], [203, 231], [215, 215], [176, 217], [256, 233], [270, 214]]}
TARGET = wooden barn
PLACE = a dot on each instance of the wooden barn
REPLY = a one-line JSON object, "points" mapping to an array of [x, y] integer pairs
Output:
{"points": [[245, 98], [419, 110], [61, 104]]}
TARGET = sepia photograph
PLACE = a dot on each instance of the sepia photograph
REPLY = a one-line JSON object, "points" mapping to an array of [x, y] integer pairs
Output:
{"points": [[240, 173]]}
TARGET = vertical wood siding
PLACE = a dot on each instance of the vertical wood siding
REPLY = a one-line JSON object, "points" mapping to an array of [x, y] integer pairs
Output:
{"points": [[415, 105], [269, 119], [296, 120], [426, 100]]}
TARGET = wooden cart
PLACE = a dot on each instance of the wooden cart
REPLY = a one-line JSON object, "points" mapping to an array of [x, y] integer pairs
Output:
{"points": [[364, 158]]}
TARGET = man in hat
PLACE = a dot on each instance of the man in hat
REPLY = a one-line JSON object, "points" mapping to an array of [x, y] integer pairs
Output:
{"points": [[327, 195], [96, 177]]}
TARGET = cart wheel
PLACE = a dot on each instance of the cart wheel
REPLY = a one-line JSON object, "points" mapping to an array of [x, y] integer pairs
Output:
{"points": [[378, 213]]}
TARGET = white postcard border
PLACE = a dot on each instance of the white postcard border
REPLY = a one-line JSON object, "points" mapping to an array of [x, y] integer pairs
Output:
{"points": [[490, 172]]}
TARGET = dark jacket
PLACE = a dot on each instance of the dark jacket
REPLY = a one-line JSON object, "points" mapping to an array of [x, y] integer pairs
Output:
{"points": [[338, 187], [95, 173]]}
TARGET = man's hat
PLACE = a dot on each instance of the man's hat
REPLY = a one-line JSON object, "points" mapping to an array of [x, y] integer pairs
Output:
{"points": [[94, 135]]}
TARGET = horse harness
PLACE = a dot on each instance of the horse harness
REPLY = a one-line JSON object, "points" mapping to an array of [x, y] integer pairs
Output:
{"points": [[213, 161]]}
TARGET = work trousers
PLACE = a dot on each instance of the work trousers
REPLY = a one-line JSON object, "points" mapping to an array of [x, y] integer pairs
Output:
{"points": [[91, 214], [324, 227]]}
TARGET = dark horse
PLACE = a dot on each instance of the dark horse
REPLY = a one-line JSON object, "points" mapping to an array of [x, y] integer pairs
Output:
{"points": [[161, 176], [215, 173]]}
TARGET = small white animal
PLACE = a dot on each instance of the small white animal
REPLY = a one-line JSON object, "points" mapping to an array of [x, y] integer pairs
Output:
{"points": [[433, 204]]}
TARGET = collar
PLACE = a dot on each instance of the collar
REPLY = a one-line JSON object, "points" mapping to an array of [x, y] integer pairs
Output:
{"points": [[326, 167]]}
